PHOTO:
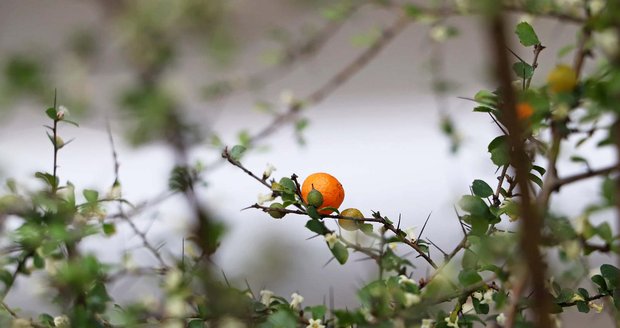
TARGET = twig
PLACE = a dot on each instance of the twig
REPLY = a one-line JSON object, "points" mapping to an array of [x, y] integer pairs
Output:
{"points": [[226, 155], [339, 79], [531, 220], [122, 214]]}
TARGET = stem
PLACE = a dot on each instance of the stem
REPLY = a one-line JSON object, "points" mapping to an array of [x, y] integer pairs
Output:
{"points": [[531, 220]]}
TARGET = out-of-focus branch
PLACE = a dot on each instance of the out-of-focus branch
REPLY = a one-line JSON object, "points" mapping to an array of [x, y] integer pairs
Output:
{"points": [[338, 79], [145, 242], [292, 55], [531, 225]]}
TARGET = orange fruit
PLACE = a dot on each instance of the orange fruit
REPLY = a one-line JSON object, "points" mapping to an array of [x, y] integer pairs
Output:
{"points": [[562, 79], [350, 225], [524, 110], [328, 186]]}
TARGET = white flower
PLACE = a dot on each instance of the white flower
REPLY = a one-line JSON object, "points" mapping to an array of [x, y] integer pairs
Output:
{"points": [[296, 300], [454, 324], [115, 191], [501, 319], [268, 171], [477, 295], [231, 322], [265, 296], [263, 198], [607, 40], [596, 306], [410, 233], [580, 224], [393, 246], [402, 279], [62, 321], [315, 324], [488, 297], [596, 6], [331, 239], [439, 33], [367, 315], [173, 279], [175, 307], [287, 97], [411, 299], [21, 323], [427, 323], [61, 112], [526, 18], [577, 297]]}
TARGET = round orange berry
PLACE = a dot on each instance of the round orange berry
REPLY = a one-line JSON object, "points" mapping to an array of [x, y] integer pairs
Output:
{"points": [[329, 187]]}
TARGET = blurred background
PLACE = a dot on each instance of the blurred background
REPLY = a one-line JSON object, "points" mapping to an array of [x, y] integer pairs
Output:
{"points": [[231, 67]]}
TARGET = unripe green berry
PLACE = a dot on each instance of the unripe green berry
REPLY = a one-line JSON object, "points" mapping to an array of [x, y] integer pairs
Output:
{"points": [[276, 214], [315, 198]]}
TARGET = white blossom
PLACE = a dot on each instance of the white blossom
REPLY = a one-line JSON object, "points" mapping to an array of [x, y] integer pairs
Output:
{"points": [[477, 295], [263, 198], [410, 233], [331, 239], [501, 320], [427, 323], [411, 299], [265, 296], [577, 297], [439, 33], [454, 324], [61, 112], [62, 321], [173, 279], [402, 279], [596, 6], [268, 171], [175, 307], [607, 40], [21, 323], [393, 246], [315, 323], [367, 315], [596, 306], [287, 97], [487, 298], [296, 300]]}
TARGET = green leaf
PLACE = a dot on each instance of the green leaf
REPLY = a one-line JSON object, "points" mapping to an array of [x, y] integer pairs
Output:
{"points": [[486, 97], [317, 226], [237, 151], [313, 213], [288, 184], [481, 189], [318, 312], [38, 261], [340, 253], [541, 170], [604, 231], [483, 109], [474, 205], [527, 35], [46, 319], [600, 281], [611, 274], [196, 323], [498, 148], [536, 180], [413, 11], [92, 196], [366, 228], [470, 260], [49, 179], [523, 70], [51, 113], [109, 229], [479, 225], [469, 277]]}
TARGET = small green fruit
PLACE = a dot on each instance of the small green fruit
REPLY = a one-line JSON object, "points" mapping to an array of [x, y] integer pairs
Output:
{"points": [[315, 198], [275, 213], [347, 224]]}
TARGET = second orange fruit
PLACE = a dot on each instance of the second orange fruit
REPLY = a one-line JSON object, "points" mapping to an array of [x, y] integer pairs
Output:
{"points": [[328, 186]]}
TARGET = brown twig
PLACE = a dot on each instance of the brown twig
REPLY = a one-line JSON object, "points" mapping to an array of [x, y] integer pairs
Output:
{"points": [[339, 79], [531, 221], [228, 157]]}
